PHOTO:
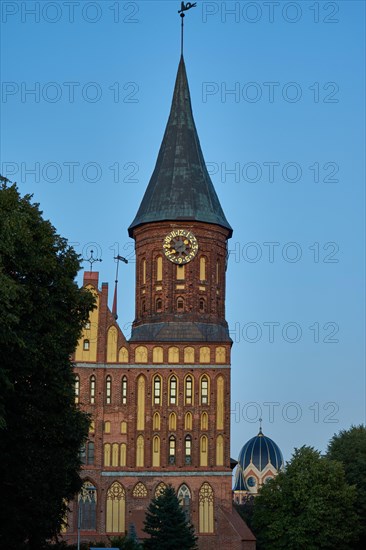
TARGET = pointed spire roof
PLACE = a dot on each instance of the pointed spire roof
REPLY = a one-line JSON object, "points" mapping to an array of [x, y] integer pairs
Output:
{"points": [[180, 187]]}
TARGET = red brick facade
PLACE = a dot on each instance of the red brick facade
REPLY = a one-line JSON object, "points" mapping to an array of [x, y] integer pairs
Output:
{"points": [[114, 396]]}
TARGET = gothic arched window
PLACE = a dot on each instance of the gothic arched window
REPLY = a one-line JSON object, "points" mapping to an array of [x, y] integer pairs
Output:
{"points": [[116, 509], [206, 509], [87, 500]]}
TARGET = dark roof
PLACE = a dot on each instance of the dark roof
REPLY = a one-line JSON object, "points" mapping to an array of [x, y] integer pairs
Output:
{"points": [[238, 524], [180, 332], [180, 187]]}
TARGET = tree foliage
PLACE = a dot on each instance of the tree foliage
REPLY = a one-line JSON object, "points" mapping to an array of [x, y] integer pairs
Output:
{"points": [[349, 447], [167, 524], [42, 314], [309, 506]]}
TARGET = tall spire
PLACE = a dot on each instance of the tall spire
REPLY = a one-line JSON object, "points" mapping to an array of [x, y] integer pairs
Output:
{"points": [[180, 187]]}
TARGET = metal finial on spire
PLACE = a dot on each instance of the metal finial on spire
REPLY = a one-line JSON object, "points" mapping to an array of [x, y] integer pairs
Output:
{"points": [[91, 260], [114, 308], [183, 8], [260, 426]]}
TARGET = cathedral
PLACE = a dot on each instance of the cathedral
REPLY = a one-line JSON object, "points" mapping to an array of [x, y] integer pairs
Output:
{"points": [[160, 401]]}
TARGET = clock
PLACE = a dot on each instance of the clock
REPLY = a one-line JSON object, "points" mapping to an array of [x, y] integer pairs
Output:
{"points": [[180, 246]]}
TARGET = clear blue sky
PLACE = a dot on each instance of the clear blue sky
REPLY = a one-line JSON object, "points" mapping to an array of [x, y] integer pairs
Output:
{"points": [[292, 130]]}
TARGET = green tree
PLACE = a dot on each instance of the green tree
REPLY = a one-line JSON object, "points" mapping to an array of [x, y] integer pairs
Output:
{"points": [[349, 447], [167, 524], [42, 315], [128, 542], [309, 506]]}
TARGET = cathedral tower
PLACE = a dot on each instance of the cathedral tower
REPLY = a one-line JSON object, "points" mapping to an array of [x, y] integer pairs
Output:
{"points": [[160, 402]]}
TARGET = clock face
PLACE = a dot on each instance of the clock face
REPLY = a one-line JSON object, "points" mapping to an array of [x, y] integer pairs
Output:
{"points": [[180, 246]]}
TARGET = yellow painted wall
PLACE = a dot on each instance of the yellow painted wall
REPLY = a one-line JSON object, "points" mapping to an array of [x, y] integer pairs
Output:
{"points": [[90, 334]]}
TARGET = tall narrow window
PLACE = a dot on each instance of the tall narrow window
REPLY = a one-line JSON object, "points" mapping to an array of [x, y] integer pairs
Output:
{"points": [[115, 453], [206, 509], [77, 388], [219, 451], [202, 268], [202, 305], [107, 454], [112, 341], [143, 305], [87, 500], [143, 271], [188, 449], [171, 449], [205, 354], [204, 390], [204, 421], [180, 304], [220, 403], [157, 390], [108, 390], [123, 454], [90, 453], [92, 389], [180, 272], [159, 305], [141, 403], [184, 497], [172, 422], [86, 345], [173, 390], [217, 272], [82, 454], [203, 451], [156, 451], [220, 354], [107, 427], [188, 421], [188, 390], [123, 427], [124, 390], [140, 451], [116, 509], [159, 268], [156, 421], [157, 354]]}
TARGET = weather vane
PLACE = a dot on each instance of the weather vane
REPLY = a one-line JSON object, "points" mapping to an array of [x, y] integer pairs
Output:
{"points": [[184, 7], [118, 258], [92, 260]]}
